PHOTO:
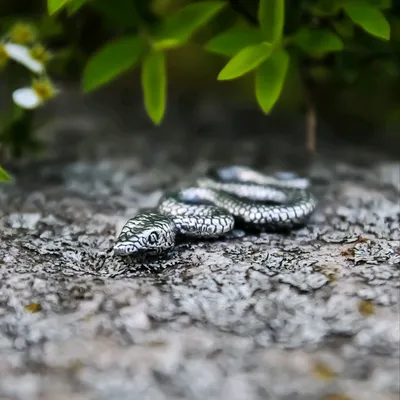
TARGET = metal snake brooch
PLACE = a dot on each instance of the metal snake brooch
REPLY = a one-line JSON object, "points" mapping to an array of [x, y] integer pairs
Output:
{"points": [[218, 204]]}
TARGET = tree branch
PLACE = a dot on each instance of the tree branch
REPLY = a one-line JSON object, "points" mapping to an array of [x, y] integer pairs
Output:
{"points": [[311, 126], [311, 113]]}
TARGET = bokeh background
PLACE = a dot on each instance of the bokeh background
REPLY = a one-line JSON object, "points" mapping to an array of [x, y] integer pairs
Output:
{"points": [[355, 92]]}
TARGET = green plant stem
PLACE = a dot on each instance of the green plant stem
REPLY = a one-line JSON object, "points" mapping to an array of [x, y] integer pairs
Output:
{"points": [[240, 9]]}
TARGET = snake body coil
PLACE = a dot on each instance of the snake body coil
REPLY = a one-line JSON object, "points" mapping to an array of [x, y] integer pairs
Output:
{"points": [[226, 198]]}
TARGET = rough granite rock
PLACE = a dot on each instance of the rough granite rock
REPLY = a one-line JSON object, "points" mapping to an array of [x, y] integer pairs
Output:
{"points": [[309, 315]]}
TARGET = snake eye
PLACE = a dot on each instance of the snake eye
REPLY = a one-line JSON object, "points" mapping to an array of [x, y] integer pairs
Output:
{"points": [[153, 237]]}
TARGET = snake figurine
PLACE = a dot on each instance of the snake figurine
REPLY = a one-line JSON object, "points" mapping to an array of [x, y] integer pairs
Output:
{"points": [[223, 200]]}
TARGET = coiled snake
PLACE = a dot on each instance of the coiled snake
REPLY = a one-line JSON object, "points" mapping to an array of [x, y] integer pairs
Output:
{"points": [[223, 200]]}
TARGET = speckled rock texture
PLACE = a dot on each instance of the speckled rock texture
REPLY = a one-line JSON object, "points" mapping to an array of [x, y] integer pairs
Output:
{"points": [[309, 315]]}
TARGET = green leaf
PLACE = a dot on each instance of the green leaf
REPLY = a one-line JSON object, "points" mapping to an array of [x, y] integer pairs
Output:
{"points": [[74, 5], [382, 4], [269, 79], [318, 41], [319, 73], [244, 61], [4, 177], [49, 27], [271, 15], [344, 28], [233, 40], [111, 60], [154, 84], [165, 44], [179, 27], [55, 5], [120, 13], [370, 18], [323, 8]]}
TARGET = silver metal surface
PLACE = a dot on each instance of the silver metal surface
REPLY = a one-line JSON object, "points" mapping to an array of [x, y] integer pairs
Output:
{"points": [[219, 201]]}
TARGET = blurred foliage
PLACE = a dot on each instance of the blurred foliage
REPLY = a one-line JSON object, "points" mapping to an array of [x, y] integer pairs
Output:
{"points": [[288, 51]]}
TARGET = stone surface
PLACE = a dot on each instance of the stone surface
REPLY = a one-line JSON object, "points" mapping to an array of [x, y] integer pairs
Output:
{"points": [[310, 315]]}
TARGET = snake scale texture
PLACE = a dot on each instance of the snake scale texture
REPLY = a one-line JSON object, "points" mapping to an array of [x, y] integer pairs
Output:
{"points": [[221, 201]]}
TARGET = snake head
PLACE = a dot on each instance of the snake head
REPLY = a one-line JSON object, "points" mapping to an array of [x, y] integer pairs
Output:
{"points": [[146, 233]]}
